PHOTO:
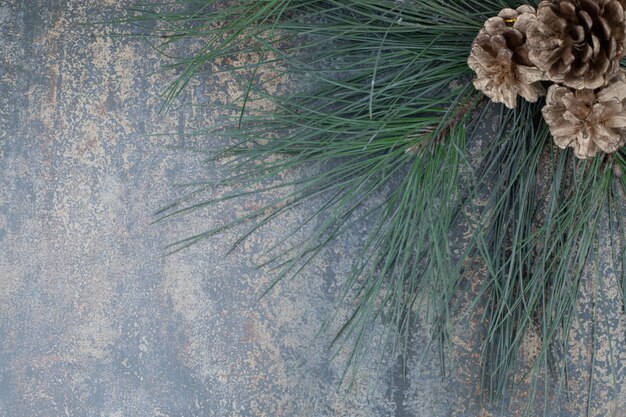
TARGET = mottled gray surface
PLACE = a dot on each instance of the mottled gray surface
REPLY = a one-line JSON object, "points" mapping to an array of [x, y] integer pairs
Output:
{"points": [[94, 321]]}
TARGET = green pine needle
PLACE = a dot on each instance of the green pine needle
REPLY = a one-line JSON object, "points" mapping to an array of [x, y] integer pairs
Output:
{"points": [[384, 120]]}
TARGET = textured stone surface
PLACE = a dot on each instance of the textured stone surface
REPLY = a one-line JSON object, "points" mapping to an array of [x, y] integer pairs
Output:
{"points": [[94, 321]]}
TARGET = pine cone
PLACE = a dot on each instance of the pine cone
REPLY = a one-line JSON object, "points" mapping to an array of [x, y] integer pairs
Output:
{"points": [[588, 121], [578, 42], [500, 59]]}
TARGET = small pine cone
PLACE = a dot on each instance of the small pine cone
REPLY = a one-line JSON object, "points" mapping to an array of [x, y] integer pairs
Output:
{"points": [[578, 42], [588, 121], [500, 59]]}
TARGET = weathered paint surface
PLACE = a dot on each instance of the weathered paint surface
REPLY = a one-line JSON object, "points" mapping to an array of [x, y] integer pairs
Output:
{"points": [[94, 321]]}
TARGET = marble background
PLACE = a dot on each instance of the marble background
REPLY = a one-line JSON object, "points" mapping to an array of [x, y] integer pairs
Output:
{"points": [[96, 321]]}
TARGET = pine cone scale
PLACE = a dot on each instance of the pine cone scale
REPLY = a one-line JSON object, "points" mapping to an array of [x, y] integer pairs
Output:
{"points": [[528, 75], [590, 6], [605, 28], [587, 24], [617, 122], [568, 131], [611, 50], [607, 140], [513, 37]]}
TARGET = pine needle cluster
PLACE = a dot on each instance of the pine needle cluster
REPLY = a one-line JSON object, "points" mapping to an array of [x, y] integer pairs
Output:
{"points": [[387, 120]]}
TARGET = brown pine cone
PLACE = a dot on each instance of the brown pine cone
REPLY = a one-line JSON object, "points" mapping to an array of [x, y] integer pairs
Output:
{"points": [[578, 42], [500, 59], [588, 121]]}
